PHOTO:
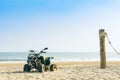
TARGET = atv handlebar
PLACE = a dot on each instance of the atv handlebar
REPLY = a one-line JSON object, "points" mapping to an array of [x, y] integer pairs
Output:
{"points": [[42, 51]]}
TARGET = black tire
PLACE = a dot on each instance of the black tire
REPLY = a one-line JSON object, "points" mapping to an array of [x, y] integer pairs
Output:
{"points": [[53, 67], [41, 68], [26, 68]]}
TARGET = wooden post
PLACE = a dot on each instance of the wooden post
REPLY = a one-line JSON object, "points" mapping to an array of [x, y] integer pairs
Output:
{"points": [[102, 49]]}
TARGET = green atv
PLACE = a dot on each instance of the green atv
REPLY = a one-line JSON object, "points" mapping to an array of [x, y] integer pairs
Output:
{"points": [[39, 63]]}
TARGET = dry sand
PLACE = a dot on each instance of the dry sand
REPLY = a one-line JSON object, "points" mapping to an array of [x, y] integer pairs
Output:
{"points": [[66, 71]]}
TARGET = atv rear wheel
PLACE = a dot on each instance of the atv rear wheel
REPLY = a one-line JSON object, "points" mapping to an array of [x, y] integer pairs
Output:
{"points": [[53, 67], [41, 68], [26, 68]]}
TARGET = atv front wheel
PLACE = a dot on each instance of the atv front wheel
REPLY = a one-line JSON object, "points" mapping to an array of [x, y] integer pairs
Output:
{"points": [[41, 68], [53, 67], [26, 68]]}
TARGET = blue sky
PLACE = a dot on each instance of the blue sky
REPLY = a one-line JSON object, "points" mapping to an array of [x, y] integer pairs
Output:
{"points": [[61, 25]]}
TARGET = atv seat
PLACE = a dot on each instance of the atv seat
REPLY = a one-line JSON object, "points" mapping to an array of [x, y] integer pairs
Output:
{"points": [[44, 60]]}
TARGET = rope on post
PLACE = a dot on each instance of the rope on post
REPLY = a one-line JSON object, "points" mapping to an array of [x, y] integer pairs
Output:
{"points": [[111, 44]]}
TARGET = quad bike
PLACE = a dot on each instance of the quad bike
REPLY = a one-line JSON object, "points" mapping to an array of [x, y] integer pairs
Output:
{"points": [[37, 62]]}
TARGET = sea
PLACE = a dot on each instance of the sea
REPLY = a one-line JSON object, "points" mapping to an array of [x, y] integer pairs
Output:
{"points": [[59, 56]]}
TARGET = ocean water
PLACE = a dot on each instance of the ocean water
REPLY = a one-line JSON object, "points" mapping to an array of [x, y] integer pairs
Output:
{"points": [[60, 56]]}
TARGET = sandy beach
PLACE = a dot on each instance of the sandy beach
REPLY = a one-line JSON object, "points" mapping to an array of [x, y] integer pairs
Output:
{"points": [[66, 71]]}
